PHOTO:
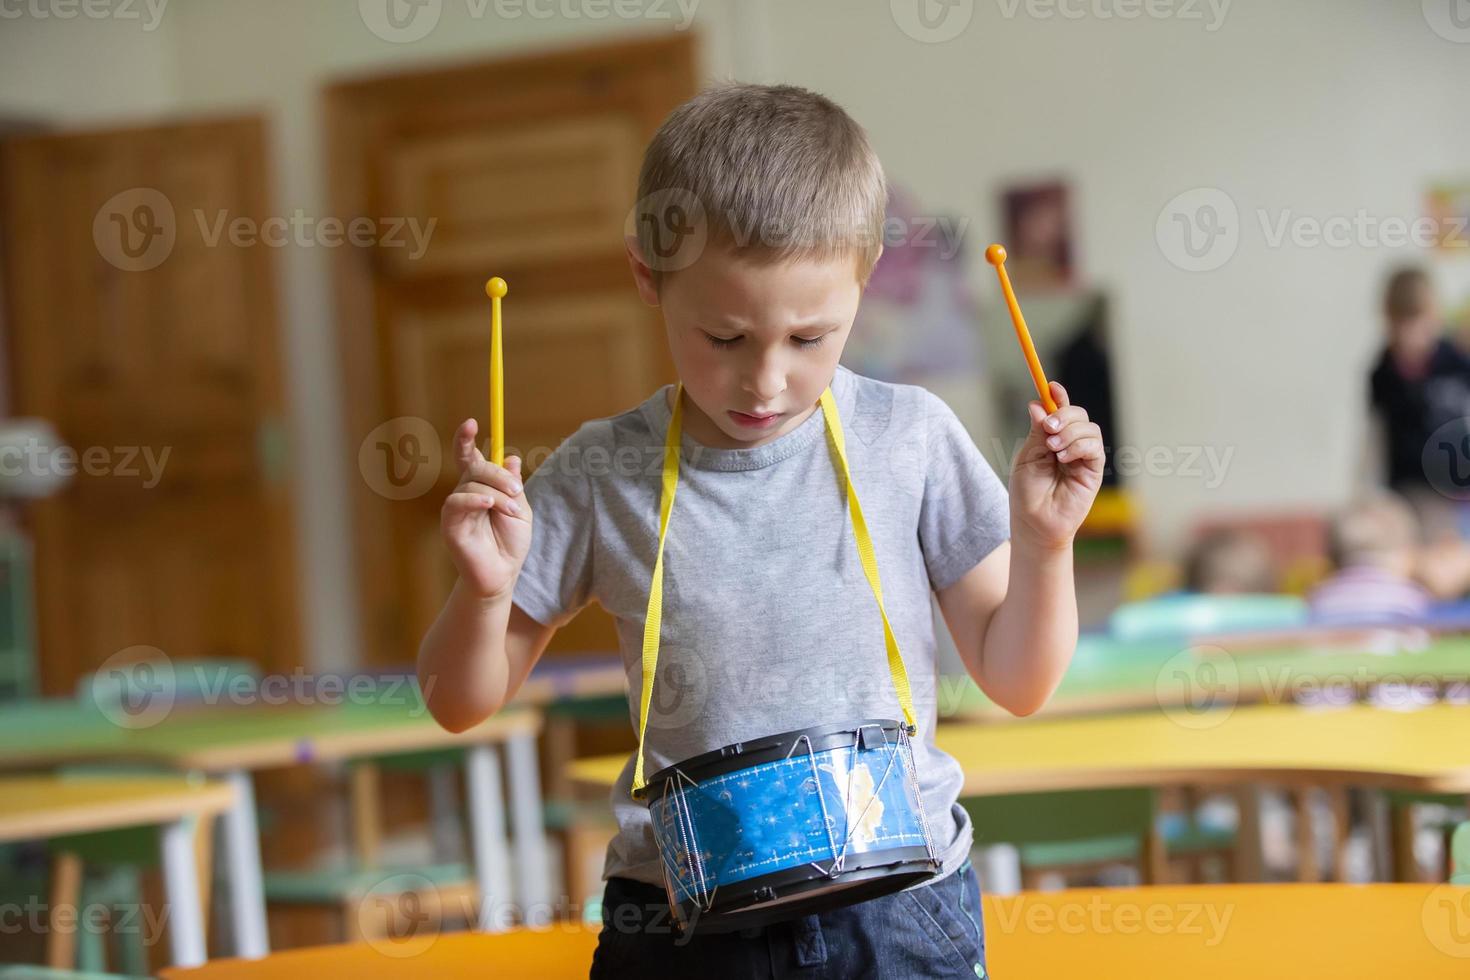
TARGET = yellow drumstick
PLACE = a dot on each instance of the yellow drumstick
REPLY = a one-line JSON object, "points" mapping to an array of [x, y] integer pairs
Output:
{"points": [[996, 256], [495, 289]]}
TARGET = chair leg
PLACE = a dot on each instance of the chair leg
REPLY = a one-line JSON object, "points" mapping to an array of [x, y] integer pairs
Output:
{"points": [[1306, 841], [1337, 797], [1405, 865], [204, 858], [66, 893]]}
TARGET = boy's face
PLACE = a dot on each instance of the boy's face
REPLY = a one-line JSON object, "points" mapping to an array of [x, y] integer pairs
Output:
{"points": [[753, 339]]}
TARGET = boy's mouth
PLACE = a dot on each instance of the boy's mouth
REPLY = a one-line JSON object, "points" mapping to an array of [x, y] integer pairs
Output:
{"points": [[755, 421]]}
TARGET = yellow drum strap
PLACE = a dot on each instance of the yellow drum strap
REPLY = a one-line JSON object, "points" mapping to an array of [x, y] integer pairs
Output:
{"points": [[654, 619]]}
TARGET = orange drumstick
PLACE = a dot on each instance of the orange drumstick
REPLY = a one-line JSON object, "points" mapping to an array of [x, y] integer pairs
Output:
{"points": [[996, 256]]}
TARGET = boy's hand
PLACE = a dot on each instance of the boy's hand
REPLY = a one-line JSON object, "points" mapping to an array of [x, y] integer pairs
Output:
{"points": [[1056, 474], [486, 521]]}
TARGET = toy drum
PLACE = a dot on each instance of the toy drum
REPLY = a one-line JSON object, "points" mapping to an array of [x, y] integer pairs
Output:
{"points": [[790, 825]]}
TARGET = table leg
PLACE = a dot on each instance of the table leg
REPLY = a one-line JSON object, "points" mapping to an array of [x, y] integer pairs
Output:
{"points": [[181, 887], [242, 854], [1248, 864], [444, 818], [1376, 805], [1343, 826], [530, 838], [487, 837]]}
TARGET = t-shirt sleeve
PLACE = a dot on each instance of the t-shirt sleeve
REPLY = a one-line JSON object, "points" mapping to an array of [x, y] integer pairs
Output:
{"points": [[965, 513], [556, 578]]}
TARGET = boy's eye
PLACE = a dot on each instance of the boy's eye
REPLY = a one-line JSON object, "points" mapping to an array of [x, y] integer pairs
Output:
{"points": [[724, 342]]}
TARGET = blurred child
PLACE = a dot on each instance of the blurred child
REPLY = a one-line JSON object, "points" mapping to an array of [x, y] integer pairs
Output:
{"points": [[1375, 548], [1420, 382], [1230, 562]]}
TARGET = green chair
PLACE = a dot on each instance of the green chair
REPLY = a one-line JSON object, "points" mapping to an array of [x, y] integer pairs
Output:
{"points": [[17, 641], [1179, 616], [1081, 830], [1460, 855], [1402, 825], [114, 861]]}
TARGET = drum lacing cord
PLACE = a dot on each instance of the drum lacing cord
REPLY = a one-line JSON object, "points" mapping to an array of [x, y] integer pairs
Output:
{"points": [[689, 838], [907, 745], [654, 618], [839, 860]]}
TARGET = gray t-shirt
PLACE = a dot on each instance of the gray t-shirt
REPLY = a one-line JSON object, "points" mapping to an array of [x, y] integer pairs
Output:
{"points": [[768, 622]]}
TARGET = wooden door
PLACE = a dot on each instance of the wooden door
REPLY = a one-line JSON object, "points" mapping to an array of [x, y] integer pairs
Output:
{"points": [[524, 168], [150, 344]]}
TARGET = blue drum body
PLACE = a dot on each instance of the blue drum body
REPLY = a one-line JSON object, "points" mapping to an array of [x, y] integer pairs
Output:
{"points": [[795, 823]]}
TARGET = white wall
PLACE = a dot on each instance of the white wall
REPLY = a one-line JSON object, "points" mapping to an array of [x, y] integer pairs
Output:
{"points": [[1319, 107]]}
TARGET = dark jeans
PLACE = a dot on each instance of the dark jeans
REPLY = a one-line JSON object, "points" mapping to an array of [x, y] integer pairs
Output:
{"points": [[931, 931]]}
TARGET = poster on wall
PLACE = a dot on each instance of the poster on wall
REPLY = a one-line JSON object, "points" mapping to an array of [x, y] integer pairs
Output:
{"points": [[1038, 235]]}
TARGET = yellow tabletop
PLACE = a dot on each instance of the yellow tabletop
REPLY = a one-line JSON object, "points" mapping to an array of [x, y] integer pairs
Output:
{"points": [[36, 807], [1423, 749], [1201, 932]]}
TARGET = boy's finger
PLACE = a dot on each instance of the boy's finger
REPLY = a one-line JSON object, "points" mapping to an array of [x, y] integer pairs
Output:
{"points": [[497, 476], [1037, 412], [1059, 394], [464, 443]]}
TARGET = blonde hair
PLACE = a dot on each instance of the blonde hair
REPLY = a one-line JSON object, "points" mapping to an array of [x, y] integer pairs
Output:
{"points": [[771, 172], [1372, 530]]}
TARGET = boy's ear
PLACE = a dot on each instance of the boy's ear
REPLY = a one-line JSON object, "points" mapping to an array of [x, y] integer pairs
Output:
{"points": [[642, 274]]}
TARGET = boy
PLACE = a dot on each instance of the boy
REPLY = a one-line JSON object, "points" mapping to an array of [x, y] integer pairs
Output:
{"points": [[768, 622]]}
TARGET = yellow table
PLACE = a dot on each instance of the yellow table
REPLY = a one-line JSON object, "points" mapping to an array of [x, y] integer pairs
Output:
{"points": [[42, 807], [1424, 750], [1201, 932]]}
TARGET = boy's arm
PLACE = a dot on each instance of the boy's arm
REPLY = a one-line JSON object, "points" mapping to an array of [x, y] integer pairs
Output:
{"points": [[1014, 615], [476, 656], [1013, 618]]}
